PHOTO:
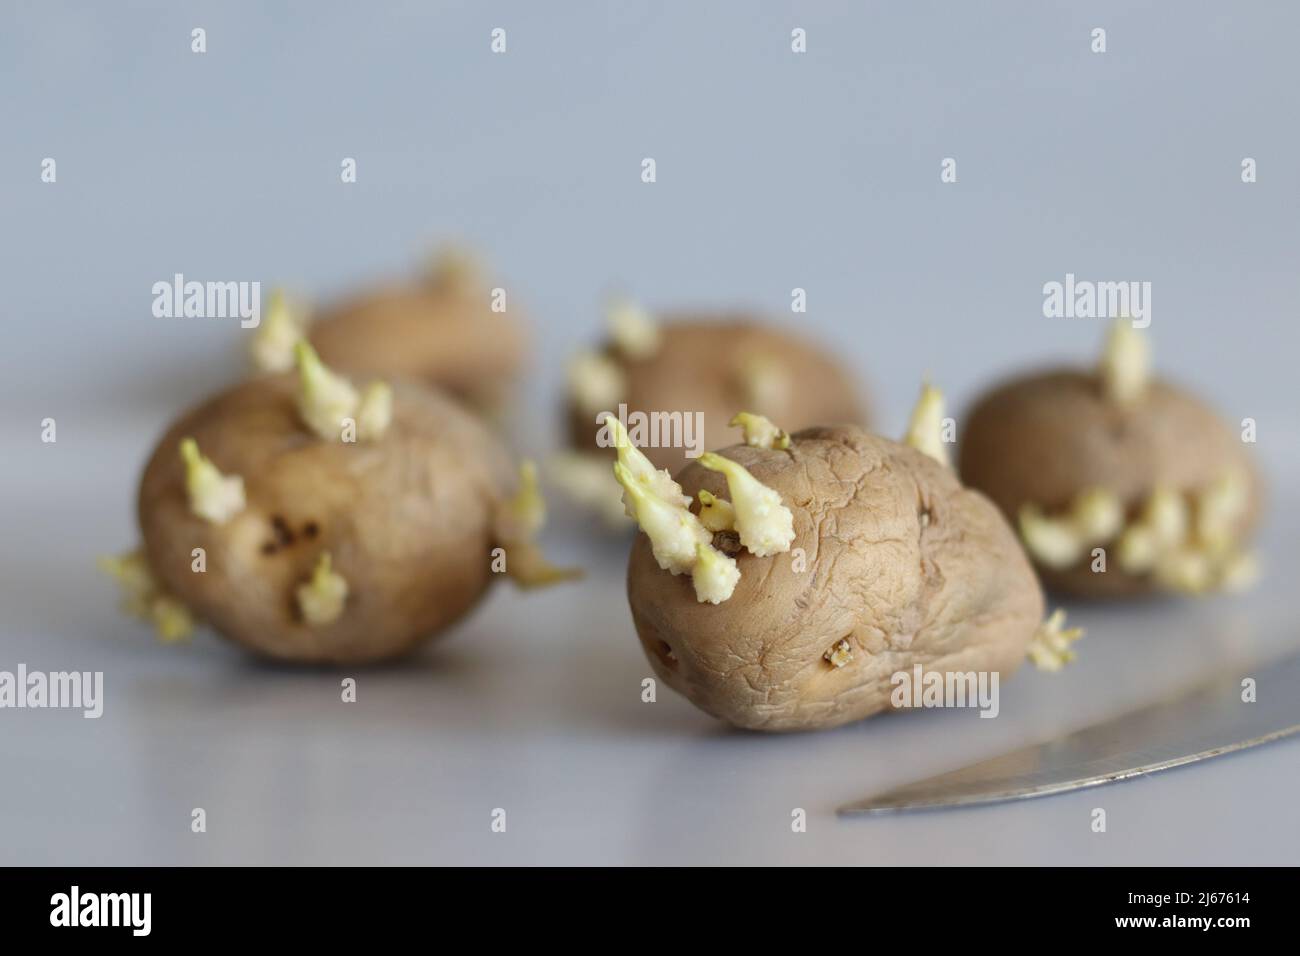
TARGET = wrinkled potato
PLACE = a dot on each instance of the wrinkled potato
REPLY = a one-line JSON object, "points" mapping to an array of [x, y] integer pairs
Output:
{"points": [[321, 549], [691, 364], [1120, 484], [441, 330], [891, 563]]}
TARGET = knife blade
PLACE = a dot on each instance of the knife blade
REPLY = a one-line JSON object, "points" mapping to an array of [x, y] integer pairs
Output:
{"points": [[1207, 721]]}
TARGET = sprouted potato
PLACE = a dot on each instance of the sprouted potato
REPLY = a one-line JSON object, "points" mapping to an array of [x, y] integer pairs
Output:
{"points": [[816, 565], [1119, 483], [682, 369], [309, 519]]}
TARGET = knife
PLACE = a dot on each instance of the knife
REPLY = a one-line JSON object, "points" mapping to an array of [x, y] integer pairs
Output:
{"points": [[1208, 721]]}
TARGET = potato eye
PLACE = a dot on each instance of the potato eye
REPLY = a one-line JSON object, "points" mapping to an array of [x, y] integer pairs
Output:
{"points": [[666, 654], [728, 542], [283, 533], [839, 653]]}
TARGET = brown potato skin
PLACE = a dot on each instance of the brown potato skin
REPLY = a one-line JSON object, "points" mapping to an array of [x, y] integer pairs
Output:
{"points": [[407, 521], [1044, 438], [445, 337], [699, 368], [955, 594]]}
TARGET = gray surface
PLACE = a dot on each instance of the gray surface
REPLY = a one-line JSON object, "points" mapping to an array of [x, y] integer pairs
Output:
{"points": [[774, 171]]}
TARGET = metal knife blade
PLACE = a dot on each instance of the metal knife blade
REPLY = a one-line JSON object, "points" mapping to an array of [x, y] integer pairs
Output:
{"points": [[1207, 721]]}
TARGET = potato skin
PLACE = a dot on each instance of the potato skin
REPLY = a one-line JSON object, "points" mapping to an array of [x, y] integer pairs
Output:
{"points": [[956, 593], [407, 521], [444, 337], [1044, 438], [700, 367]]}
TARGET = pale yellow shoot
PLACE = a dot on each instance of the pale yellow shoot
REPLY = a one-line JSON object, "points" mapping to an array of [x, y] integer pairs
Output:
{"points": [[1137, 550], [595, 382], [925, 431], [716, 514], [1220, 506], [715, 575], [1125, 363], [1186, 569], [586, 479], [657, 481], [325, 399], [1166, 514], [840, 654], [172, 621], [529, 568], [132, 574], [673, 531], [277, 334], [374, 411], [142, 597], [322, 598], [1052, 542], [634, 331], [764, 524], [1097, 515], [523, 515], [760, 432], [1191, 549], [213, 496], [518, 520], [1050, 649]]}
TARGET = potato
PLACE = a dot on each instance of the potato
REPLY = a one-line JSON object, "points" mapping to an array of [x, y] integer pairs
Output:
{"points": [[1157, 482], [324, 550], [892, 563], [712, 365], [441, 330]]}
